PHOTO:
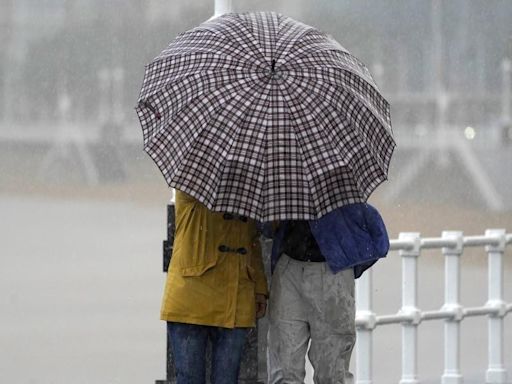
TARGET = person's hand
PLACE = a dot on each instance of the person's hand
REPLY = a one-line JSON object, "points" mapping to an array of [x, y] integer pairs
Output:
{"points": [[261, 305]]}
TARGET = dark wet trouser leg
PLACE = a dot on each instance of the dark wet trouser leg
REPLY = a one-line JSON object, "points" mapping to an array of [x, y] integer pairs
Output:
{"points": [[227, 349], [188, 343]]}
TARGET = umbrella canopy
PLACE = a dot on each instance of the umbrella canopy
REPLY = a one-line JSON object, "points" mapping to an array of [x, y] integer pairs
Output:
{"points": [[264, 116]]}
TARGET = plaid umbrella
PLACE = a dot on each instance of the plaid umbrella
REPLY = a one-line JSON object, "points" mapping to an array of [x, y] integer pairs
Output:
{"points": [[261, 115]]}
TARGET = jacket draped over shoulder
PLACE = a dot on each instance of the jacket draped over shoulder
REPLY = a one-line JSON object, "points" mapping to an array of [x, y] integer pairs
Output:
{"points": [[352, 236]]}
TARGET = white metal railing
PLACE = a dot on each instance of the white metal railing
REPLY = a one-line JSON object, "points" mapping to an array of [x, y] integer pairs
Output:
{"points": [[452, 244]]}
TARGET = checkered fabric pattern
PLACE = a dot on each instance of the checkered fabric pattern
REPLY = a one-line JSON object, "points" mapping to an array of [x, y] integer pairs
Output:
{"points": [[261, 115]]}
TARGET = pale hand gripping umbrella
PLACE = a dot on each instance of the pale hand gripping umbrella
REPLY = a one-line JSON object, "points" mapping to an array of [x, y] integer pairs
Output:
{"points": [[261, 115]]}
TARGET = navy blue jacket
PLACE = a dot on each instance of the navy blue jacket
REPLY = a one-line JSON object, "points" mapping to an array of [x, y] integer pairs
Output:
{"points": [[352, 236]]}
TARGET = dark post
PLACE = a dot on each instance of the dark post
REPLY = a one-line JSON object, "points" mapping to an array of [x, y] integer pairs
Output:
{"points": [[253, 368], [167, 253]]}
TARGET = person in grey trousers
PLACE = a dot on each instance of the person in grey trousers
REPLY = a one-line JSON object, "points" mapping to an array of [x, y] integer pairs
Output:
{"points": [[314, 264]]}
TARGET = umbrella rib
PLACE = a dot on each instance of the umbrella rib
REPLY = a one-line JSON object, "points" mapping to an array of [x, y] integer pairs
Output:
{"points": [[161, 60], [365, 192], [361, 72], [309, 178], [290, 47], [317, 74], [384, 167], [214, 114], [262, 23], [228, 37], [176, 80], [319, 100], [187, 104], [162, 123]]}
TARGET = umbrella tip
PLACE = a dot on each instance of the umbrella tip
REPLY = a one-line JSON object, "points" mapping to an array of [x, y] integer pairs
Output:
{"points": [[273, 65]]}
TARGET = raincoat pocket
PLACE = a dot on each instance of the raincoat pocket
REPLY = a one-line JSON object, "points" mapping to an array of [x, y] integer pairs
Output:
{"points": [[198, 270]]}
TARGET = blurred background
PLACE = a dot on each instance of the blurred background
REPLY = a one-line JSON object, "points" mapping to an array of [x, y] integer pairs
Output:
{"points": [[83, 208]]}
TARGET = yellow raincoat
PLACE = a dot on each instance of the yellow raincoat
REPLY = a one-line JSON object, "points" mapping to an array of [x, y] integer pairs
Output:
{"points": [[216, 268]]}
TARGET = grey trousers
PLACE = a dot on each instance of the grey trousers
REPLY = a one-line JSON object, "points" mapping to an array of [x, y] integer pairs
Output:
{"points": [[310, 304]]}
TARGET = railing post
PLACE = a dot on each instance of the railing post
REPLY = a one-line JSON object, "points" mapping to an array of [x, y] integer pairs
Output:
{"points": [[496, 372], [409, 302], [452, 255], [366, 317]]}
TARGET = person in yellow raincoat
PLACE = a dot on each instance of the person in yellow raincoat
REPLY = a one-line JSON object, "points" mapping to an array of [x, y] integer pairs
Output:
{"points": [[215, 289]]}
